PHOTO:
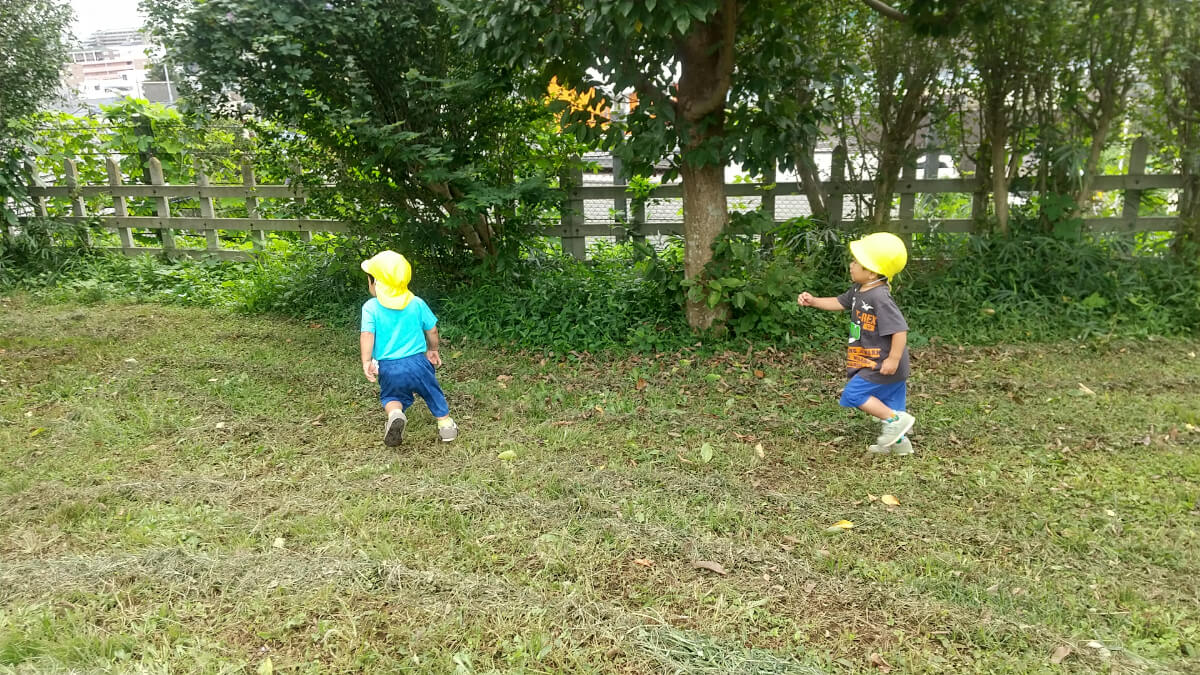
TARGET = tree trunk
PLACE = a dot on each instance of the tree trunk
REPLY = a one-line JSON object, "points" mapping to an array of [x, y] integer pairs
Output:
{"points": [[1187, 238], [999, 171], [885, 184], [1083, 200], [810, 182], [705, 215], [706, 69]]}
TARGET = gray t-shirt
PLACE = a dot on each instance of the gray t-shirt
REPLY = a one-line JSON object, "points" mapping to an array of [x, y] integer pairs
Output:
{"points": [[874, 317]]}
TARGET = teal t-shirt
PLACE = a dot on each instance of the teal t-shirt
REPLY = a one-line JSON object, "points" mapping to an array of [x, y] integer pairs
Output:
{"points": [[398, 332]]}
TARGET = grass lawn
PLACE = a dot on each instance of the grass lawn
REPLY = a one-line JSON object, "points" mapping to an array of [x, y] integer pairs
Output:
{"points": [[188, 490]]}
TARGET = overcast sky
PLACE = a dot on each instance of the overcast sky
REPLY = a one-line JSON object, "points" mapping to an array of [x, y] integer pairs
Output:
{"points": [[94, 15]]}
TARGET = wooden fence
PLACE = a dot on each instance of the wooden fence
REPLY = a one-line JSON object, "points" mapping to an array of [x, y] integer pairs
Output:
{"points": [[628, 217], [623, 217], [168, 224]]}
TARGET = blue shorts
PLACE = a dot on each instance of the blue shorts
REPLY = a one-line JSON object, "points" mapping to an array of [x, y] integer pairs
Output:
{"points": [[399, 379], [858, 390]]}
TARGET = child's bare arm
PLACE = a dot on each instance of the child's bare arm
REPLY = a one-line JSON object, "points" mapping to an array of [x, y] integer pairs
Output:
{"points": [[892, 362], [366, 346], [431, 347], [831, 304]]}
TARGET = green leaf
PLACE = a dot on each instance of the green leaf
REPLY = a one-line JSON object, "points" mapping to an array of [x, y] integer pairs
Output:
{"points": [[706, 453]]}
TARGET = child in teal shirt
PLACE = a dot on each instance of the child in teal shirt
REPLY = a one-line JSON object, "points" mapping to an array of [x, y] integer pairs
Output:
{"points": [[398, 344]]}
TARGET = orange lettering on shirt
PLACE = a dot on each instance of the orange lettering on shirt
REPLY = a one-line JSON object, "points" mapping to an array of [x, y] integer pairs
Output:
{"points": [[861, 357]]}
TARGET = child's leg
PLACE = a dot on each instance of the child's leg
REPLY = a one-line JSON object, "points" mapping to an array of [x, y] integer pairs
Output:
{"points": [[429, 389], [427, 386], [864, 395], [395, 397], [876, 408]]}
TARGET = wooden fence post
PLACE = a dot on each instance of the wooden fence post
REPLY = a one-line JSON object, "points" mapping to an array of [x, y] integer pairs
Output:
{"points": [[78, 207], [638, 220], [305, 233], [162, 206], [212, 236], [1137, 168], [767, 207], [620, 207], [573, 242], [119, 207], [39, 202], [257, 236]]}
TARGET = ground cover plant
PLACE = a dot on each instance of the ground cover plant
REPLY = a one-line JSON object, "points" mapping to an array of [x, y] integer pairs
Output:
{"points": [[187, 489]]}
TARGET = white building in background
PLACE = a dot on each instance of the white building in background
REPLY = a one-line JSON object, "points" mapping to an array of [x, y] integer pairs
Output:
{"points": [[110, 66]]}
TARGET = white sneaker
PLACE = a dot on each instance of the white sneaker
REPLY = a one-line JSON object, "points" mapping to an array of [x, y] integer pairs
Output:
{"points": [[900, 447], [894, 430], [393, 431], [448, 433]]}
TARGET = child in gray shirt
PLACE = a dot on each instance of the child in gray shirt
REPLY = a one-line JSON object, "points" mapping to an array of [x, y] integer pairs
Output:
{"points": [[877, 356]]}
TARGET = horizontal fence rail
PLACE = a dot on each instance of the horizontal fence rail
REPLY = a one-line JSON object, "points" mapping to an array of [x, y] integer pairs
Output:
{"points": [[628, 216], [624, 216], [166, 224]]}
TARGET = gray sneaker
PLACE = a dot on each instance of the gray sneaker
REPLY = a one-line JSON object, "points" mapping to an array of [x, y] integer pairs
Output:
{"points": [[449, 433], [900, 447], [892, 431], [393, 431]]}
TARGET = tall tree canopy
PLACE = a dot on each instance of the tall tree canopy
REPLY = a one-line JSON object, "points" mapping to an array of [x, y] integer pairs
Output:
{"points": [[33, 48], [715, 81], [397, 110]]}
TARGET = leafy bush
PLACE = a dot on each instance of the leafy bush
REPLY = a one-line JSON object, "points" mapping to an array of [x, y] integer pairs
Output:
{"points": [[621, 298], [957, 288]]}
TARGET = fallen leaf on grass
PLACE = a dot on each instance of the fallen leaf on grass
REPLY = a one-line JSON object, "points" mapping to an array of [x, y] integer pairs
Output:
{"points": [[641, 384], [710, 566], [37, 432], [890, 500], [759, 374], [1059, 654], [278, 543], [506, 455], [878, 662], [644, 562], [266, 667], [1083, 387], [839, 527], [758, 450]]}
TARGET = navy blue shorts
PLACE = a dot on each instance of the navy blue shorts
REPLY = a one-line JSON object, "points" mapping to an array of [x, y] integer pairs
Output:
{"points": [[399, 379], [858, 390]]}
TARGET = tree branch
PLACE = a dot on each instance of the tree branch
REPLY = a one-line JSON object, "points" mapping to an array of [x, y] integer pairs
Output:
{"points": [[886, 10]]}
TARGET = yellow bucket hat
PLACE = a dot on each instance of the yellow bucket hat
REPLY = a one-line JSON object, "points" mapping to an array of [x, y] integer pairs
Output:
{"points": [[882, 253], [392, 274]]}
